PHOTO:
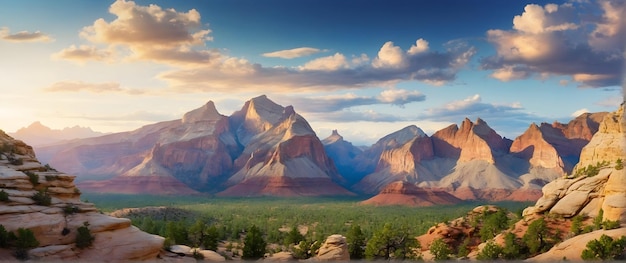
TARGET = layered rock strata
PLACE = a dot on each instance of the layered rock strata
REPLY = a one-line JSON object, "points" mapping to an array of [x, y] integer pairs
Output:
{"points": [[55, 224]]}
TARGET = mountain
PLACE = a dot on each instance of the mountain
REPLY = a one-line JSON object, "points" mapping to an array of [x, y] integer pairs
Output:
{"points": [[268, 149], [282, 155], [38, 134], [474, 162], [55, 224], [263, 149], [407, 194], [343, 153], [173, 157]]}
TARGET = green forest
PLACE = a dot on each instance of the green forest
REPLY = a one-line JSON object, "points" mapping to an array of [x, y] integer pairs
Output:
{"points": [[283, 222]]}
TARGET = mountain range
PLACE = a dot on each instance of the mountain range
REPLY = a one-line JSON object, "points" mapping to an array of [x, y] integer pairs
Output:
{"points": [[37, 134], [268, 149]]}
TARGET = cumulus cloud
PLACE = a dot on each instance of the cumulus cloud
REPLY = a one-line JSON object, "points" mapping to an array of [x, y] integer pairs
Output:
{"points": [[332, 103], [148, 33], [178, 39], [293, 53], [327, 73], [556, 40], [420, 46], [390, 56], [24, 36], [80, 86]]}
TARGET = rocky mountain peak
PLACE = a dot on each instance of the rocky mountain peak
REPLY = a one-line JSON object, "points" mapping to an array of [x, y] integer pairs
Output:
{"points": [[333, 138], [402, 136], [208, 112]]}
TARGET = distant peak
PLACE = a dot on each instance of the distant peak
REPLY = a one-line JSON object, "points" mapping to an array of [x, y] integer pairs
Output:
{"points": [[207, 112], [335, 133], [288, 111], [334, 137]]}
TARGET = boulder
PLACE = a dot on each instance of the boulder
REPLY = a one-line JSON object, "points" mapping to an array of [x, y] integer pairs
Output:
{"points": [[335, 248]]}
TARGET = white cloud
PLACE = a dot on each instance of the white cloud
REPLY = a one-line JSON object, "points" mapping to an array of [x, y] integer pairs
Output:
{"points": [[390, 56], [420, 46], [554, 40], [579, 112], [400, 96], [80, 86], [330, 63], [293, 53]]}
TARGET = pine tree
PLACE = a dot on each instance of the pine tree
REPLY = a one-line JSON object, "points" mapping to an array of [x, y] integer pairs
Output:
{"points": [[356, 242], [254, 244]]}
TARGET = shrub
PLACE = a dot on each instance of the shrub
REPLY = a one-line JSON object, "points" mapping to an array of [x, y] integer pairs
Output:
{"points": [[70, 209], [42, 198], [24, 241], [619, 165], [440, 249], [52, 177], [491, 251], [32, 177], [605, 248], [577, 224], [610, 224], [197, 255], [463, 249], [4, 237], [83, 236], [49, 168], [4, 196]]}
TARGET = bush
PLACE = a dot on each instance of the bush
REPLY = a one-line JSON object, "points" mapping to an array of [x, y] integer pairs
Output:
{"points": [[4, 237], [24, 240], [491, 251], [4, 196], [440, 249], [610, 224], [42, 198], [577, 224], [83, 236], [32, 177], [619, 165], [605, 248], [70, 209]]}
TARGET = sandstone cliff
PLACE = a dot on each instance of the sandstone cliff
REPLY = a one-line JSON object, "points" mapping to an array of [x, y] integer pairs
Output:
{"points": [[55, 224], [597, 181]]}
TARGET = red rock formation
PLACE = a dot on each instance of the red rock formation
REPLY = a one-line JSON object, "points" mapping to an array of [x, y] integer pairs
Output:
{"points": [[407, 194], [473, 141], [532, 146]]}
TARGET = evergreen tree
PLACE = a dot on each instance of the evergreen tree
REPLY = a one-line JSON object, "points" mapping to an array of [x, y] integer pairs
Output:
{"points": [[491, 251], [389, 242], [512, 248], [535, 236], [577, 224], [293, 237], [254, 244], [605, 248], [356, 242], [24, 241], [493, 224]]}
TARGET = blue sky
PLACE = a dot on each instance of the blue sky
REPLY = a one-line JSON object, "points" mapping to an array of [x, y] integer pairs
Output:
{"points": [[366, 68]]}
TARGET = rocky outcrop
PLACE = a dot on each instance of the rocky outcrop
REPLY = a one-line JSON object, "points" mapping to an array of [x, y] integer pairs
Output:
{"points": [[571, 249], [55, 224], [407, 194], [335, 248], [597, 181], [282, 155]]}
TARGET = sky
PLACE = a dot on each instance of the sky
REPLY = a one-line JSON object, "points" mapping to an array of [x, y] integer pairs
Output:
{"points": [[366, 68]]}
